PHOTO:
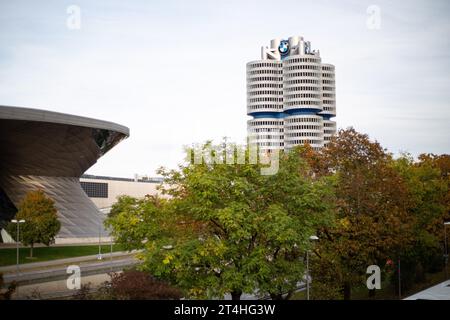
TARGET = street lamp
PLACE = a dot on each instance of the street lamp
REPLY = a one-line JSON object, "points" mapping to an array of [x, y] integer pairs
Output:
{"points": [[99, 257], [111, 252], [446, 248], [101, 219], [311, 238], [17, 222], [105, 212]]}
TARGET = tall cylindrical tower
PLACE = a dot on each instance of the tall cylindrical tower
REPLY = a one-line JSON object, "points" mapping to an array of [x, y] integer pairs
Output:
{"points": [[291, 96]]}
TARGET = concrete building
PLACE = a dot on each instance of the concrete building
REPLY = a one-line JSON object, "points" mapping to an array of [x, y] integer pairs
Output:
{"points": [[290, 96], [50, 151], [104, 191]]}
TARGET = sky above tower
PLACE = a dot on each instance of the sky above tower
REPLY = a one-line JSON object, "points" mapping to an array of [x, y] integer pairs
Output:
{"points": [[174, 71]]}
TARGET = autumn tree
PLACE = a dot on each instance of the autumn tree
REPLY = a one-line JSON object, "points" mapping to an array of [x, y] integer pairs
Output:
{"points": [[139, 285], [373, 224], [41, 220], [427, 182], [228, 229]]}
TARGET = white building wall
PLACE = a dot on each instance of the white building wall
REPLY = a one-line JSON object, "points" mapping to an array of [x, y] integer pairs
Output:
{"points": [[118, 188]]}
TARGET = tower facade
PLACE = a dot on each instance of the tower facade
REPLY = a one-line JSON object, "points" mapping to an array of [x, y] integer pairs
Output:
{"points": [[290, 96]]}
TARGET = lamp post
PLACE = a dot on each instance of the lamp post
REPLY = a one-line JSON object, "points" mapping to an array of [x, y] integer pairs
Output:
{"points": [[311, 238], [399, 280], [17, 222], [446, 248], [99, 257], [111, 250], [111, 253]]}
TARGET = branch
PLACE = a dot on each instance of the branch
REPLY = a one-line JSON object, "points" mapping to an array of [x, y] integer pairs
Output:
{"points": [[252, 242], [276, 253], [219, 226]]}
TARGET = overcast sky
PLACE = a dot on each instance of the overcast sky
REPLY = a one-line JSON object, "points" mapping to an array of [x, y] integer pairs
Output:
{"points": [[174, 71]]}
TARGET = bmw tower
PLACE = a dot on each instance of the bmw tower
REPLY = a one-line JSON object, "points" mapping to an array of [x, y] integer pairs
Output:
{"points": [[290, 96]]}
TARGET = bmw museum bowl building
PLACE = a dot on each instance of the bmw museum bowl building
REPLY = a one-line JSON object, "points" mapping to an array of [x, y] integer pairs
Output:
{"points": [[50, 151]]}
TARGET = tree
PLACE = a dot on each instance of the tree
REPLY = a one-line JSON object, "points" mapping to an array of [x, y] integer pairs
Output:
{"points": [[372, 200], [41, 220], [138, 285], [427, 181], [133, 222], [123, 202], [227, 229]]}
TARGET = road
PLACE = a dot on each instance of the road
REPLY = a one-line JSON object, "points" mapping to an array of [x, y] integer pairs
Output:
{"points": [[49, 278]]}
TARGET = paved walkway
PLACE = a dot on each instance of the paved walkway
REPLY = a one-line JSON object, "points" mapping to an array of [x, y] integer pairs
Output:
{"points": [[48, 279], [60, 272], [64, 262], [39, 245]]}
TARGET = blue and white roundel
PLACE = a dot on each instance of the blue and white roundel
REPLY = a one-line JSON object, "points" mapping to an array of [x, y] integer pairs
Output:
{"points": [[283, 48]]}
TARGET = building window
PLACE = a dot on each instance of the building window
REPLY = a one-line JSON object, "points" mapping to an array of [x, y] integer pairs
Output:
{"points": [[95, 189]]}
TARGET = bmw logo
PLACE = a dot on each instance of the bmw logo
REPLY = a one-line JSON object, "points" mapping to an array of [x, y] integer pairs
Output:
{"points": [[283, 48]]}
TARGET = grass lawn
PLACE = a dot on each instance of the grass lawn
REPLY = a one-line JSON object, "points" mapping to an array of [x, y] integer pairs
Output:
{"points": [[8, 255]]}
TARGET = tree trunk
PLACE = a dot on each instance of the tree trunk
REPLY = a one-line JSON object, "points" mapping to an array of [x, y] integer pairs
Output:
{"points": [[276, 296], [236, 295], [347, 291], [31, 250]]}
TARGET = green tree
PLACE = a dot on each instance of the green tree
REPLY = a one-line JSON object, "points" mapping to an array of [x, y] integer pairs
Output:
{"points": [[229, 229], [133, 222], [123, 203], [41, 220]]}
